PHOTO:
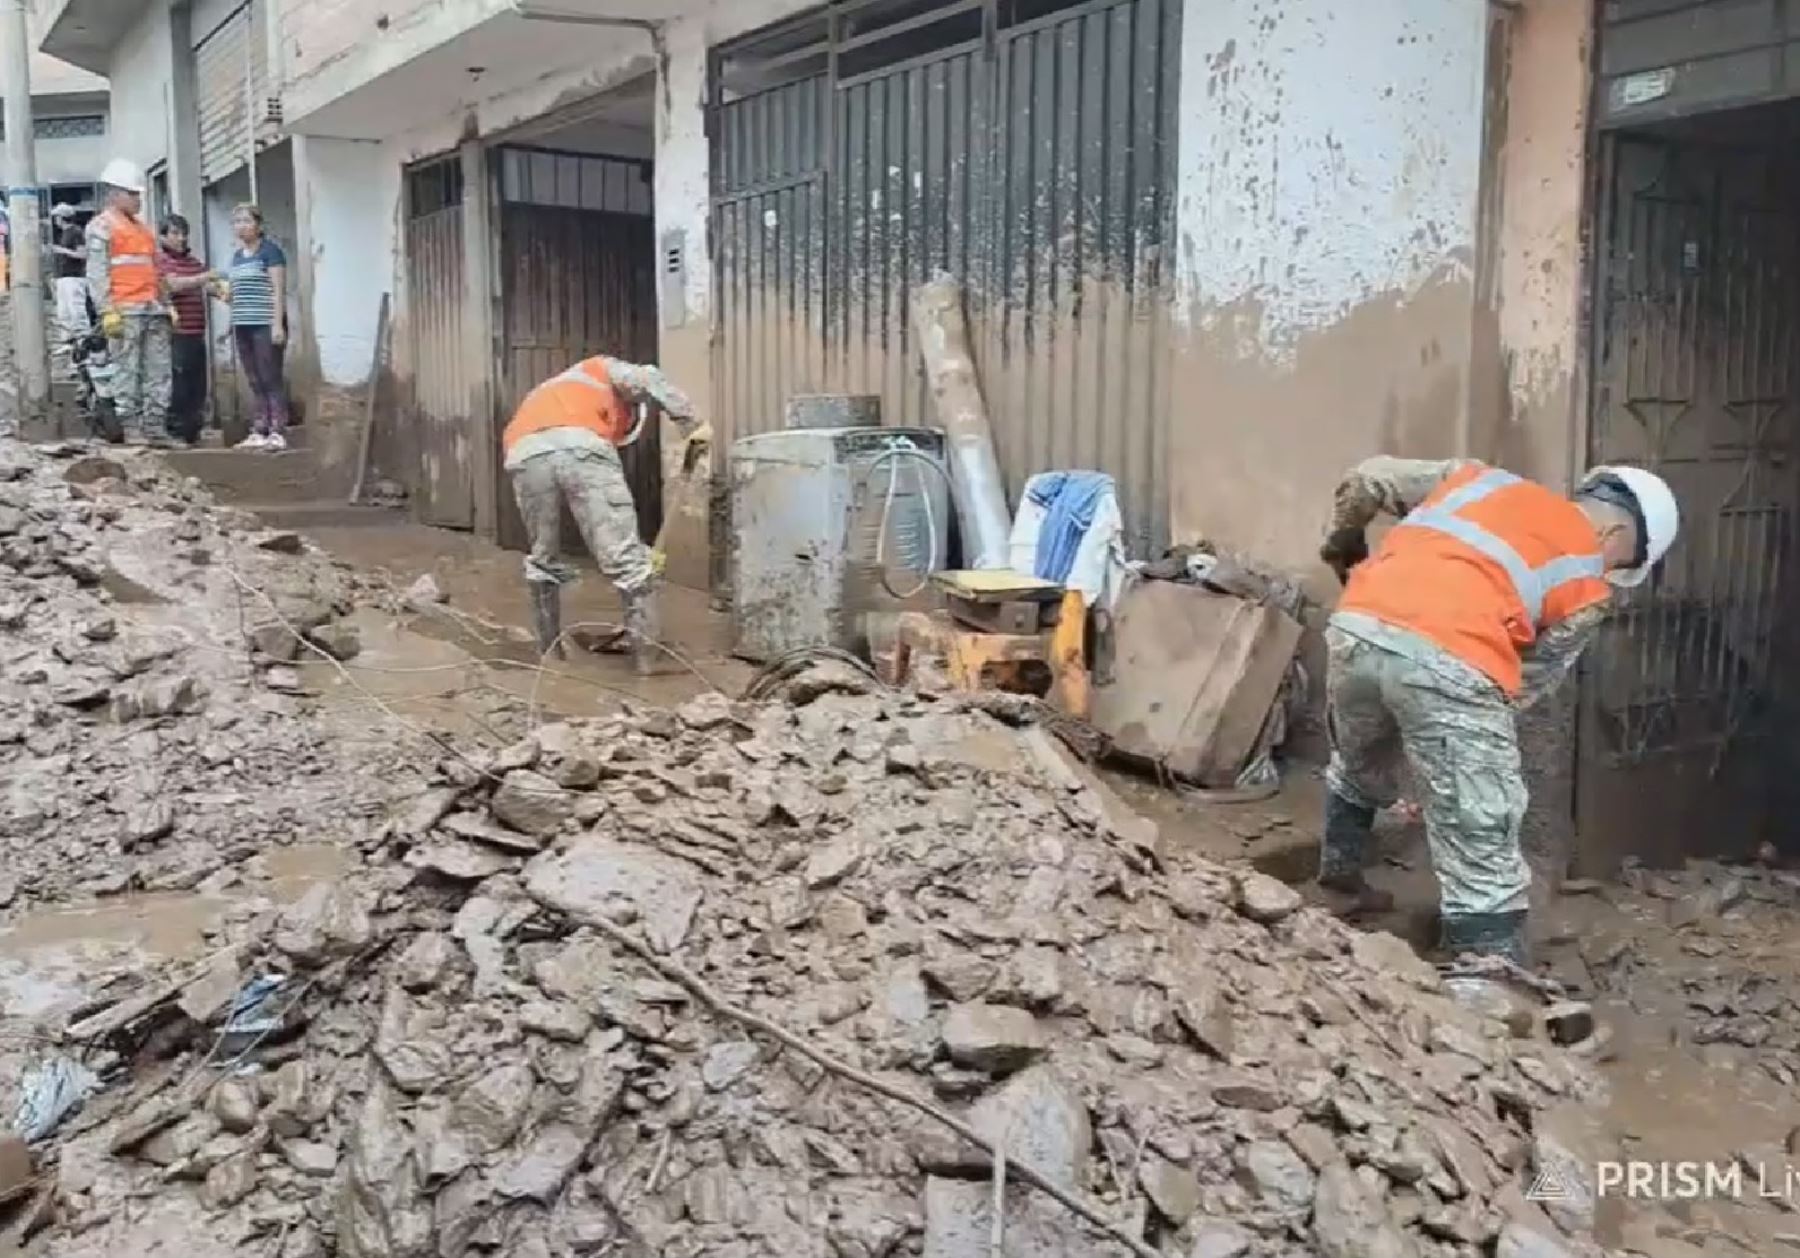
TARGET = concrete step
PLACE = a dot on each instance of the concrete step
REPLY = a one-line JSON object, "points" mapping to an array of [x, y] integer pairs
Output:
{"points": [[302, 516], [253, 476]]}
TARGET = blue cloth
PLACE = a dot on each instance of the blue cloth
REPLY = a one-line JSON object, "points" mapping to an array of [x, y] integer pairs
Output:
{"points": [[1070, 500]]}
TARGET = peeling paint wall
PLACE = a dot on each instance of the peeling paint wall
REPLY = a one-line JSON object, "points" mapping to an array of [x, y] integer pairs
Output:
{"points": [[1329, 189], [331, 47], [140, 74]]}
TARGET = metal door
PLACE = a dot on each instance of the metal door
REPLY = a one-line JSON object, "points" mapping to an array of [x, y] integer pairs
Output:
{"points": [[1024, 147], [578, 278], [1698, 306], [440, 379]]}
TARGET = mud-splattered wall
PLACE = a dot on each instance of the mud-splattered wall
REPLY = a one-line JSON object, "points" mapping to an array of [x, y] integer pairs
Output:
{"points": [[1329, 190]]}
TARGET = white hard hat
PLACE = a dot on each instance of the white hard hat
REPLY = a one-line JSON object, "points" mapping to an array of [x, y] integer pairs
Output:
{"points": [[120, 173], [1656, 507], [62, 209]]}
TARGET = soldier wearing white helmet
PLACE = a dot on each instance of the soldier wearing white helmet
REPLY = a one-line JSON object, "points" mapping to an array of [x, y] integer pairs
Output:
{"points": [[1474, 606], [123, 282]]}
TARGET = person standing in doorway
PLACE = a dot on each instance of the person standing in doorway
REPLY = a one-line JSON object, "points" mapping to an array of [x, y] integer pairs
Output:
{"points": [[258, 276], [187, 278], [126, 290], [69, 247]]}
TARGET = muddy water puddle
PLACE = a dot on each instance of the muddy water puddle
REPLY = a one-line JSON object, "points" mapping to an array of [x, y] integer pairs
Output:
{"points": [[50, 959]]}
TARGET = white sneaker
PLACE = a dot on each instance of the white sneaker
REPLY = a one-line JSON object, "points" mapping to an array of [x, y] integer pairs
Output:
{"points": [[255, 441], [274, 443]]}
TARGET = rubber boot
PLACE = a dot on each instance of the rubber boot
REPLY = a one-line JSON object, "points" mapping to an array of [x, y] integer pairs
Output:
{"points": [[546, 617], [1342, 855], [643, 632], [1487, 935]]}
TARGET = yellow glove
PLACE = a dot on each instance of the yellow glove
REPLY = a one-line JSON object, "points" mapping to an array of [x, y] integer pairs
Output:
{"points": [[658, 561], [112, 324], [701, 436]]}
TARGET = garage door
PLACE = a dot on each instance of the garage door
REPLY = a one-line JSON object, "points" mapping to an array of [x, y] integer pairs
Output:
{"points": [[1671, 58], [1025, 147], [231, 75]]}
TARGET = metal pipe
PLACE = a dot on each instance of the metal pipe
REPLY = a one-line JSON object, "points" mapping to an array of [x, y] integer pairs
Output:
{"points": [[31, 348], [250, 94]]}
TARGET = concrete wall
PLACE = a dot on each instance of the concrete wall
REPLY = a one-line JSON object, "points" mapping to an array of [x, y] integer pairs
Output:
{"points": [[1330, 177], [74, 160], [348, 203], [330, 48], [140, 73]]}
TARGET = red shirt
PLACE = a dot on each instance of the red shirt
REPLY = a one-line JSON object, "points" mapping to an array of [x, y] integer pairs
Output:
{"points": [[190, 307]]}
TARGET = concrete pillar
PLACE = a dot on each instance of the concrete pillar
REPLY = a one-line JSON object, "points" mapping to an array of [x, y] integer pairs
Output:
{"points": [[31, 351]]}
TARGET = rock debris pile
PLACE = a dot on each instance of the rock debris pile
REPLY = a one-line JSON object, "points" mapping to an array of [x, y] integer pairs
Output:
{"points": [[140, 745], [509, 1034]]}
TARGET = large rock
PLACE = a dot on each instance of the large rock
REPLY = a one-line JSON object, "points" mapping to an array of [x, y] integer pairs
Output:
{"points": [[1264, 899], [592, 880], [531, 803], [995, 1038], [1172, 1189], [1568, 1144], [1036, 1116], [328, 921], [958, 1224], [1272, 1170], [1350, 1219]]}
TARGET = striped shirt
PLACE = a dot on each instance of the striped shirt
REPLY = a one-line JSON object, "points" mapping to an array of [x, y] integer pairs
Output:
{"points": [[252, 291], [189, 307]]}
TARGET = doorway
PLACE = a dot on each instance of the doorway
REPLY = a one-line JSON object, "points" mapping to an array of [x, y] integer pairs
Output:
{"points": [[1689, 698], [577, 265]]}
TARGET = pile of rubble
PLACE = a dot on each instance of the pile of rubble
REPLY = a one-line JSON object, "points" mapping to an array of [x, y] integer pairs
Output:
{"points": [[540, 1024], [144, 743]]}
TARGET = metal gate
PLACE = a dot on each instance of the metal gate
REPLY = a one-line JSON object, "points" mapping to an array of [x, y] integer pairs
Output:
{"points": [[1698, 310], [440, 372], [578, 278], [1025, 147]]}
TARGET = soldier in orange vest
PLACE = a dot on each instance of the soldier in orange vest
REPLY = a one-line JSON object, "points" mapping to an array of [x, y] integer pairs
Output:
{"points": [[127, 290], [1474, 606], [562, 446]]}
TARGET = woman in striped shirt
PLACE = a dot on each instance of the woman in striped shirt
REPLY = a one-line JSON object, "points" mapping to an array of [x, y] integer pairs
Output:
{"points": [[258, 273]]}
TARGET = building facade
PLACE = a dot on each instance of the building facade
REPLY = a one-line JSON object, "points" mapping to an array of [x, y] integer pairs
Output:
{"points": [[1221, 249], [69, 119]]}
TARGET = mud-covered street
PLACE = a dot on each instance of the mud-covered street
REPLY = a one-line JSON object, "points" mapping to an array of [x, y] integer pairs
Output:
{"points": [[330, 924]]}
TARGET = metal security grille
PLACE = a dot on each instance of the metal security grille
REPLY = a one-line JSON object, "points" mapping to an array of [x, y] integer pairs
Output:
{"points": [[1024, 146], [1697, 328]]}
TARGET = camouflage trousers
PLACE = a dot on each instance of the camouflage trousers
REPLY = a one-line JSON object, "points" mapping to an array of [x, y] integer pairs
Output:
{"points": [[1457, 736], [144, 375], [592, 482]]}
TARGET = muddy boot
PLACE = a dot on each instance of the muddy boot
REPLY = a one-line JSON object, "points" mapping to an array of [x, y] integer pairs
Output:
{"points": [[1486, 935], [1348, 829], [643, 632], [546, 617]]}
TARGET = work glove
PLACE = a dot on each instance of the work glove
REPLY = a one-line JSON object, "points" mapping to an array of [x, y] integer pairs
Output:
{"points": [[659, 561], [700, 436], [112, 324], [1343, 550]]}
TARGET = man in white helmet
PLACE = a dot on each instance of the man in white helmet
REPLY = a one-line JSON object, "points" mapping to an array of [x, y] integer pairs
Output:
{"points": [[127, 290], [1473, 607]]}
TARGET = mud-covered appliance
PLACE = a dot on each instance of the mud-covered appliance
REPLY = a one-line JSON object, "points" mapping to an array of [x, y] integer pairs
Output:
{"points": [[828, 524]]}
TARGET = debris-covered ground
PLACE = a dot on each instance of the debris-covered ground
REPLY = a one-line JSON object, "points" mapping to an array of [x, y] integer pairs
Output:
{"points": [[706, 980]]}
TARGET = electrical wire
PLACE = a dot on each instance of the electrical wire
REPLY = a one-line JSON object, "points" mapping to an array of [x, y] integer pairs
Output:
{"points": [[901, 450]]}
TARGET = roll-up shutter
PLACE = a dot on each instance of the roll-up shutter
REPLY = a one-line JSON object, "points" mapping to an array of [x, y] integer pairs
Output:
{"points": [[231, 72]]}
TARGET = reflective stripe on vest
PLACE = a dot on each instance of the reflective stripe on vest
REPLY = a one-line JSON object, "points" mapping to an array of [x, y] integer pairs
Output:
{"points": [[131, 259], [1533, 585]]}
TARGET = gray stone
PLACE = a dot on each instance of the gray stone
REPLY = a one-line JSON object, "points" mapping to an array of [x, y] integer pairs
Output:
{"points": [[960, 975], [725, 1064], [311, 1158], [531, 803], [555, 1020], [1038, 1118], [597, 878], [1568, 1143], [1275, 1173], [1172, 1189], [1350, 1219], [1246, 1092], [1520, 1240], [834, 862], [460, 862], [328, 921], [1264, 899], [339, 640], [539, 1169], [282, 542], [230, 1181], [1205, 1015], [425, 962], [488, 1112], [958, 1224], [235, 1103], [1392, 956], [994, 1038], [1219, 1239]]}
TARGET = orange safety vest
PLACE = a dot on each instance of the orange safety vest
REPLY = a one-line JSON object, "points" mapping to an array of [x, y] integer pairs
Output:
{"points": [[1481, 567], [132, 262], [581, 397]]}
